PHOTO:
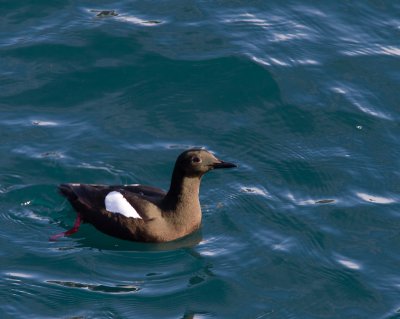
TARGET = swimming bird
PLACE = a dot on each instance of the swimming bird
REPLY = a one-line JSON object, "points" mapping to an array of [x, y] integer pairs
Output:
{"points": [[144, 213]]}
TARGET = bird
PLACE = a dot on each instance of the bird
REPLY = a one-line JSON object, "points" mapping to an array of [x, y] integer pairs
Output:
{"points": [[144, 213]]}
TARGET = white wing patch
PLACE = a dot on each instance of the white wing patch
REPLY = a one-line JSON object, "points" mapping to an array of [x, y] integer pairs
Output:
{"points": [[115, 202]]}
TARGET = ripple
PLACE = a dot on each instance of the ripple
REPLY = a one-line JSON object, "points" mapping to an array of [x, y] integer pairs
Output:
{"points": [[359, 98], [287, 37], [123, 17], [268, 61], [325, 201], [100, 166], [278, 242], [136, 20], [35, 153], [209, 247], [390, 50], [117, 289], [247, 18], [305, 62], [28, 213], [310, 202], [162, 145], [260, 61]]}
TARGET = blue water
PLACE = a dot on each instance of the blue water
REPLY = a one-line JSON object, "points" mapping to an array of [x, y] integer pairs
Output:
{"points": [[302, 95]]}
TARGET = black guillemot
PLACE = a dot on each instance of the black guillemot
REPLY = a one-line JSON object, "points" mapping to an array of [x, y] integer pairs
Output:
{"points": [[144, 213]]}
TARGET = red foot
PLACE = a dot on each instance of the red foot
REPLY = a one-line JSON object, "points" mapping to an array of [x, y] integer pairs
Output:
{"points": [[71, 231]]}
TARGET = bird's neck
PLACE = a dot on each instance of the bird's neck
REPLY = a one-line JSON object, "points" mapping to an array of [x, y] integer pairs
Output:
{"points": [[183, 198], [183, 188]]}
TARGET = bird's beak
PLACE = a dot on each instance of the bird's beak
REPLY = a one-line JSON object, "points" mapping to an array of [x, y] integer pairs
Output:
{"points": [[222, 164]]}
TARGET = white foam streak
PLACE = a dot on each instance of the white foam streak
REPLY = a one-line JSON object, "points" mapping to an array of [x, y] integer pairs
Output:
{"points": [[358, 101], [18, 275], [371, 112], [349, 264], [278, 62], [375, 199], [249, 18], [260, 61], [390, 50], [135, 20], [44, 123], [254, 190], [274, 61]]}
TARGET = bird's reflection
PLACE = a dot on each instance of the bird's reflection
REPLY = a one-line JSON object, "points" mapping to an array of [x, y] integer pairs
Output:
{"points": [[93, 239], [197, 273]]}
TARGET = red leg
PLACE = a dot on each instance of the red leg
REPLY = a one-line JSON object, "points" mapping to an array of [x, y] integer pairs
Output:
{"points": [[71, 231]]}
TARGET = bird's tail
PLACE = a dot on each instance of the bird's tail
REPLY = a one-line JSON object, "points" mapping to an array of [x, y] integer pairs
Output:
{"points": [[67, 191]]}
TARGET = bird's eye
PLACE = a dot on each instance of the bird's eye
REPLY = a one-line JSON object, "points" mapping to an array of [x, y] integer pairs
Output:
{"points": [[196, 159]]}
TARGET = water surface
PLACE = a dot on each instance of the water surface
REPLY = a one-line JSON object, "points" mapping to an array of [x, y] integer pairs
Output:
{"points": [[303, 96]]}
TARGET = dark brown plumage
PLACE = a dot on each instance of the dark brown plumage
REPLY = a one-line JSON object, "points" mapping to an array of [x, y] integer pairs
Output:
{"points": [[144, 213]]}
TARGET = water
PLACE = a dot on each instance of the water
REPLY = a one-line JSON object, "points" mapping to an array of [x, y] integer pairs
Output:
{"points": [[303, 96]]}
